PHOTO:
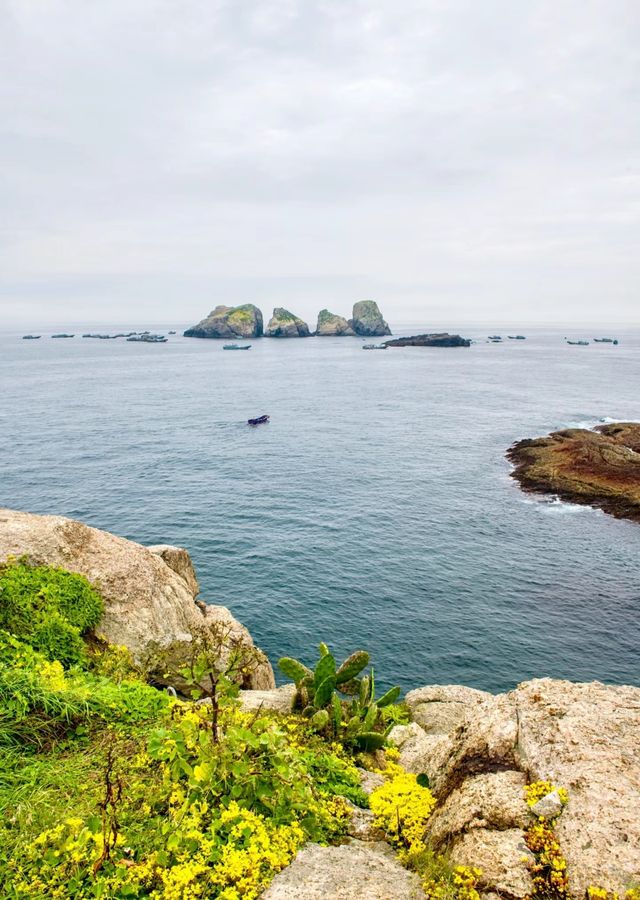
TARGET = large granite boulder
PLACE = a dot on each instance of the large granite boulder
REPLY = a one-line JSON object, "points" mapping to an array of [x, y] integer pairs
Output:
{"points": [[356, 870], [229, 322], [149, 595], [331, 325], [285, 324], [583, 737], [367, 319]]}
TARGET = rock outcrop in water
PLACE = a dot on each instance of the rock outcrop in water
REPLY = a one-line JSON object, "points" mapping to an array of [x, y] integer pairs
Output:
{"points": [[367, 319], [430, 340], [332, 325], [229, 322], [598, 468], [149, 594], [480, 750], [284, 324]]}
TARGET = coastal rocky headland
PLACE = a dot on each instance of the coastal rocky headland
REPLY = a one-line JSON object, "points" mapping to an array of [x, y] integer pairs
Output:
{"points": [[285, 324], [229, 322], [599, 468], [149, 592], [430, 340]]}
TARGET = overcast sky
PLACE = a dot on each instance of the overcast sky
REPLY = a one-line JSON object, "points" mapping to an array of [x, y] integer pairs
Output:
{"points": [[455, 160]]}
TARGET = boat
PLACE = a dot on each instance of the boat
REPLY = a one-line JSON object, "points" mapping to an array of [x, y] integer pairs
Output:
{"points": [[148, 339], [172, 332], [495, 338], [236, 347], [31, 337], [62, 335], [578, 343], [374, 346], [261, 420], [606, 340], [516, 337]]}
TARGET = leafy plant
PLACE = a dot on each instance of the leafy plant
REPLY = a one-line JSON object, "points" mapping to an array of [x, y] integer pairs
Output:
{"points": [[49, 608], [356, 722]]}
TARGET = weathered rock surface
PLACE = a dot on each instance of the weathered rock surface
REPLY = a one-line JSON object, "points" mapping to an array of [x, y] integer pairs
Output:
{"points": [[430, 340], [284, 324], [439, 708], [583, 737], [149, 602], [367, 319], [329, 324], [598, 468], [362, 825], [353, 871], [229, 322], [279, 699]]}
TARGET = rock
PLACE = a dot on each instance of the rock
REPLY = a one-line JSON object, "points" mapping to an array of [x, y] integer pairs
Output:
{"points": [[430, 340], [178, 559], [362, 824], [503, 857], [583, 737], [440, 709], [550, 806], [598, 468], [279, 699], [420, 753], [352, 871], [229, 322], [149, 605], [367, 319], [329, 324], [285, 324], [369, 781]]}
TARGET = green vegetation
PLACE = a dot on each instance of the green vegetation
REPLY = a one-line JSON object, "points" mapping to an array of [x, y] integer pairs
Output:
{"points": [[358, 722], [48, 608]]}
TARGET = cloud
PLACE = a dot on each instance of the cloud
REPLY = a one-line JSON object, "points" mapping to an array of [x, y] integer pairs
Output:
{"points": [[480, 160]]}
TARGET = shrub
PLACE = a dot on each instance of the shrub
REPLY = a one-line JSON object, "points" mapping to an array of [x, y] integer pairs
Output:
{"points": [[48, 608]]}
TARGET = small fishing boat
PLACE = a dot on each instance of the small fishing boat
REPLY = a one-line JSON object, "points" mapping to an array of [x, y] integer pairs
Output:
{"points": [[172, 332], [495, 337], [31, 337], [261, 420], [605, 341], [148, 339], [236, 347], [374, 346], [516, 337], [578, 343], [62, 335]]}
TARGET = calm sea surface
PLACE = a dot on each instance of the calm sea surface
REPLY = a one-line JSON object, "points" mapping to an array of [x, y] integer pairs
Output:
{"points": [[375, 510]]}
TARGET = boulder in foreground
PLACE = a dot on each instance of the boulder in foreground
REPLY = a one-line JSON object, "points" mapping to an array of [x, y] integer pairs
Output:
{"points": [[229, 322], [581, 737], [430, 340], [285, 324], [149, 595], [598, 468]]}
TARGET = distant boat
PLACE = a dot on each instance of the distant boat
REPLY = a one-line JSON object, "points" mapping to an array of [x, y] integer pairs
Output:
{"points": [[578, 343], [172, 332], [148, 339], [236, 347], [261, 420], [516, 337], [31, 337], [606, 340], [374, 346], [62, 335], [495, 338]]}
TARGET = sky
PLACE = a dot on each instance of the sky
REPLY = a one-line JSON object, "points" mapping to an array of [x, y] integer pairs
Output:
{"points": [[454, 160]]}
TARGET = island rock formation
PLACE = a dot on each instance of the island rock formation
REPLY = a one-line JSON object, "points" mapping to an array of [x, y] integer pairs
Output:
{"points": [[149, 593], [330, 324], [284, 324], [229, 322], [480, 750], [430, 340], [598, 468], [367, 319]]}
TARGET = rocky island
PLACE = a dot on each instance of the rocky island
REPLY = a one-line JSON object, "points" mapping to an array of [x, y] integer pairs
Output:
{"points": [[367, 320], [599, 468], [229, 322], [430, 340], [285, 324], [332, 325]]}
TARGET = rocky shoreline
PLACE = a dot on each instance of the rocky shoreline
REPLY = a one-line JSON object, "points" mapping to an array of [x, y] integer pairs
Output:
{"points": [[599, 468]]}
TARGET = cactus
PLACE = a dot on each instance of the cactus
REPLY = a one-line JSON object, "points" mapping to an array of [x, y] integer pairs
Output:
{"points": [[355, 721]]}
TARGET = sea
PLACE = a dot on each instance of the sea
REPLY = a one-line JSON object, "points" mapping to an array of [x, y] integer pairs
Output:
{"points": [[376, 509]]}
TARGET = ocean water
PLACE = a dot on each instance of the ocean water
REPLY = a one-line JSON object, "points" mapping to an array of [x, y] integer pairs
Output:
{"points": [[375, 510]]}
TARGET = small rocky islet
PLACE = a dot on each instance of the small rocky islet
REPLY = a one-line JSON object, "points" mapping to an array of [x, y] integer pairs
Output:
{"points": [[599, 468]]}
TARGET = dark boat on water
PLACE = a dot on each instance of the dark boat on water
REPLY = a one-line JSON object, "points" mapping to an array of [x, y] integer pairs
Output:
{"points": [[261, 420], [31, 337]]}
